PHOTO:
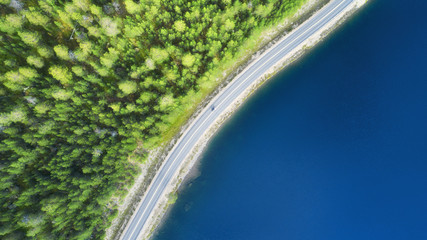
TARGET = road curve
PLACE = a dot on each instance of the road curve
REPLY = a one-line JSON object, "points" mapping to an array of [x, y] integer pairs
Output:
{"points": [[226, 97]]}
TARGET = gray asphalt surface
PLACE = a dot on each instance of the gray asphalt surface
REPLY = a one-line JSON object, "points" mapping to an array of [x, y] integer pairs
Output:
{"points": [[221, 102]]}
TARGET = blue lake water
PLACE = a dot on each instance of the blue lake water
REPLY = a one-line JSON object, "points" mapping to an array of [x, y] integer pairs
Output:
{"points": [[334, 147]]}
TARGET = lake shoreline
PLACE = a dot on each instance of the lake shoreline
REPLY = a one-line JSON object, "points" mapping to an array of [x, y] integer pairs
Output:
{"points": [[189, 170], [189, 166]]}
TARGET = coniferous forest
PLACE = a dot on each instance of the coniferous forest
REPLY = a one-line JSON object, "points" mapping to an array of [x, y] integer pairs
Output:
{"points": [[88, 86]]}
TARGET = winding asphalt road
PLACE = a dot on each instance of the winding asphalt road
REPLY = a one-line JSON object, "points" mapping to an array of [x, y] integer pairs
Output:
{"points": [[235, 88]]}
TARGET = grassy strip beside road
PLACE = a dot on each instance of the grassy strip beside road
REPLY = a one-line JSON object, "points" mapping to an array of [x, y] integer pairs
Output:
{"points": [[228, 67]]}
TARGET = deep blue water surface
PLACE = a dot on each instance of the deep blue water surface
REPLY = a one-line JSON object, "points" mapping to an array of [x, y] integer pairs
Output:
{"points": [[334, 147]]}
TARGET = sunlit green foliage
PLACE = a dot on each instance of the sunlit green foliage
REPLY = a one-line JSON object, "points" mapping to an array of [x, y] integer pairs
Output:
{"points": [[128, 87], [180, 26], [86, 87], [35, 61]]}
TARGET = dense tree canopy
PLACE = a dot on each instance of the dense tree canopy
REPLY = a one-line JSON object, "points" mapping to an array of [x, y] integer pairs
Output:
{"points": [[87, 85]]}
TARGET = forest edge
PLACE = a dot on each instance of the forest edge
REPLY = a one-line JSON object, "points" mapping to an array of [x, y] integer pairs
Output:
{"points": [[270, 37]]}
